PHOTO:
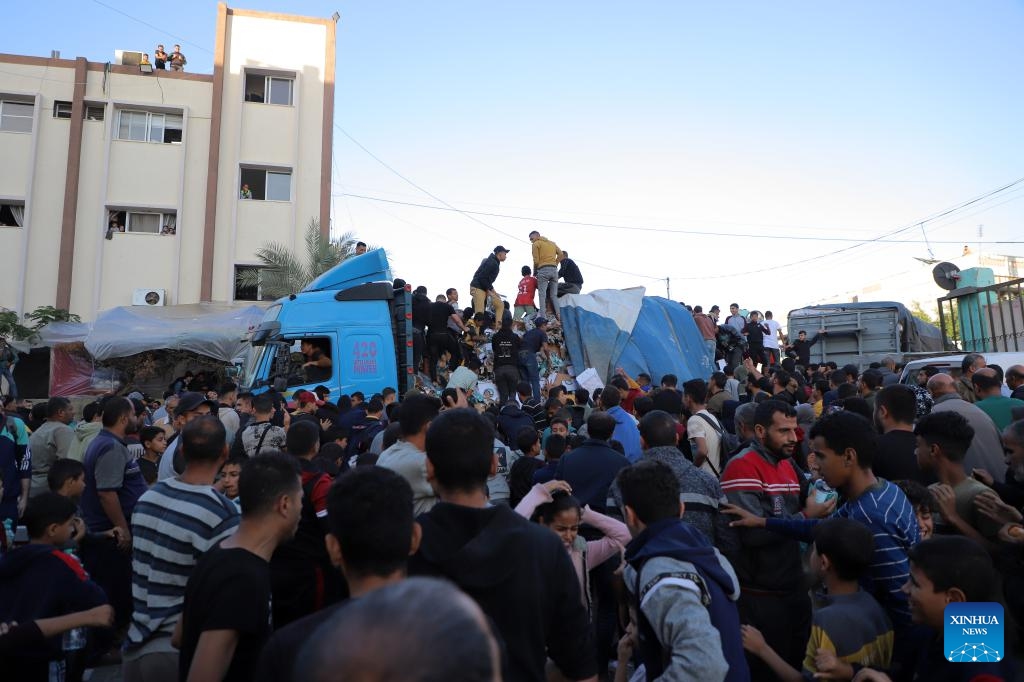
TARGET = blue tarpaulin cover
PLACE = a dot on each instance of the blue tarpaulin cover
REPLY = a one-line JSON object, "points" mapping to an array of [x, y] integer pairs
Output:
{"points": [[611, 328]]}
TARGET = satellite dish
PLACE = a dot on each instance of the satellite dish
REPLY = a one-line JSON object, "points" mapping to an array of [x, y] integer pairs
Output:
{"points": [[946, 275]]}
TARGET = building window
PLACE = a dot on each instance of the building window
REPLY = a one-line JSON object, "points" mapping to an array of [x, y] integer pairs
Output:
{"points": [[268, 89], [61, 109], [266, 185], [12, 215], [148, 126], [15, 117], [248, 286], [141, 221], [94, 112]]}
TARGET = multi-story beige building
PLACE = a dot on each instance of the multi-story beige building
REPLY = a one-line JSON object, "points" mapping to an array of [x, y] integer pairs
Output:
{"points": [[115, 182]]}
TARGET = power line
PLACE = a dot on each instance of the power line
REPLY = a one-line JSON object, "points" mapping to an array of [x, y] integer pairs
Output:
{"points": [[641, 228], [931, 218], [149, 25], [469, 215], [376, 192]]}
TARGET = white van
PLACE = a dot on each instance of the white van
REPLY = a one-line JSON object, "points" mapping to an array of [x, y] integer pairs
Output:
{"points": [[950, 364]]}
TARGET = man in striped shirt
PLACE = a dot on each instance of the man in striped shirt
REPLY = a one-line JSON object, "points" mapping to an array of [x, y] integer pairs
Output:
{"points": [[844, 445], [174, 523], [763, 481]]}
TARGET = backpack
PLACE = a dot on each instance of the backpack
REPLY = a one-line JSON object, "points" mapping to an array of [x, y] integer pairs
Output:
{"points": [[727, 443], [361, 437]]}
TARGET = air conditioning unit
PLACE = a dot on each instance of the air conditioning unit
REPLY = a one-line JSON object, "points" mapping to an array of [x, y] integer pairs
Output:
{"points": [[149, 297], [127, 57]]}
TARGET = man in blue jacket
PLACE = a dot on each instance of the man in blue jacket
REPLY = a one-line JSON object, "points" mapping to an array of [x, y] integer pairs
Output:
{"points": [[626, 430]]}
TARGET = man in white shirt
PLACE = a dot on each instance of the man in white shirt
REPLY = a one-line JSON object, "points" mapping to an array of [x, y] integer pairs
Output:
{"points": [[702, 428], [771, 339]]}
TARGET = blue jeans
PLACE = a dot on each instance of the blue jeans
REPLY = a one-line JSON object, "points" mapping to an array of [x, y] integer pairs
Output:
{"points": [[709, 349], [12, 388], [531, 371]]}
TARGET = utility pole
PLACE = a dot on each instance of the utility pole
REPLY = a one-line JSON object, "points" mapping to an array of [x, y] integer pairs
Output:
{"points": [[668, 288]]}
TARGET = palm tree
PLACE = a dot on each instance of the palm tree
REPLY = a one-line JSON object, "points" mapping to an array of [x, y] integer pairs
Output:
{"points": [[283, 272]]}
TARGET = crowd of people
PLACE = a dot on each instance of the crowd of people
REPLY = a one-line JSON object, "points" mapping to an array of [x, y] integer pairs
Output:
{"points": [[777, 519]]}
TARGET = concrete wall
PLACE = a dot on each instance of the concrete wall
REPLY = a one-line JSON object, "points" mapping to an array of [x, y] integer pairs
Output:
{"points": [[258, 134], [125, 174]]}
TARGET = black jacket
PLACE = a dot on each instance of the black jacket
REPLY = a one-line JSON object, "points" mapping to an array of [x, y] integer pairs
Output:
{"points": [[506, 348], [512, 420], [485, 275], [420, 311], [802, 349], [570, 272], [521, 576]]}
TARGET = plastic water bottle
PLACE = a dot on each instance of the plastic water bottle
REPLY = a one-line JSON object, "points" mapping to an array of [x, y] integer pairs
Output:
{"points": [[8, 535], [822, 492], [74, 639]]}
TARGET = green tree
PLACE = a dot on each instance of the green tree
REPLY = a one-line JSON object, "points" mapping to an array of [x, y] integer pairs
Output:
{"points": [[13, 328], [283, 272], [932, 317]]}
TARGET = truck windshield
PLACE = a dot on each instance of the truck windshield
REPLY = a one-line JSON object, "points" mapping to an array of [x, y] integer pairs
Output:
{"points": [[249, 378]]}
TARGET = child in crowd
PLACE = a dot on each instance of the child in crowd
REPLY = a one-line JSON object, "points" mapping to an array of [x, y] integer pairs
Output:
{"points": [[552, 505], [945, 570], [553, 451], [943, 439], [520, 476], [67, 478], [154, 442], [228, 483], [924, 506], [849, 628], [39, 580]]}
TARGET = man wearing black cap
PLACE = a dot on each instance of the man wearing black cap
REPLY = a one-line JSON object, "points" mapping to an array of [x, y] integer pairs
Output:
{"points": [[191, 405], [482, 285]]}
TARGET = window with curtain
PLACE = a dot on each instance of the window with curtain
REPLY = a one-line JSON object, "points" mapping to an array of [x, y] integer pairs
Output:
{"points": [[12, 215], [149, 126], [16, 117], [141, 221], [150, 223]]}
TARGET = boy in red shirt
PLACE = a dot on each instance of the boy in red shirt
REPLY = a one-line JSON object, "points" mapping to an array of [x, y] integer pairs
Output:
{"points": [[524, 305]]}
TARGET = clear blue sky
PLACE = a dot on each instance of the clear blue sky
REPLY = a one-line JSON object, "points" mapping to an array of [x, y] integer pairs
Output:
{"points": [[787, 119]]}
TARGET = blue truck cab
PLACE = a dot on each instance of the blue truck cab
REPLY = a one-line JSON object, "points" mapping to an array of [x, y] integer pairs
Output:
{"points": [[349, 330]]}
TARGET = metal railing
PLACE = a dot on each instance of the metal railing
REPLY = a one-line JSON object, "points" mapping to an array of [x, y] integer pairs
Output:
{"points": [[984, 319]]}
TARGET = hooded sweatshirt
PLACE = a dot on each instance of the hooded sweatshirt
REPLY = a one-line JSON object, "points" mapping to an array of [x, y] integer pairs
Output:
{"points": [[522, 578], [84, 433], [512, 420], [686, 594], [627, 433], [40, 581]]}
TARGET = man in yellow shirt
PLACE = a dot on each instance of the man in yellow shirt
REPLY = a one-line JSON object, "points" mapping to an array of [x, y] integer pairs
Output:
{"points": [[546, 257]]}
